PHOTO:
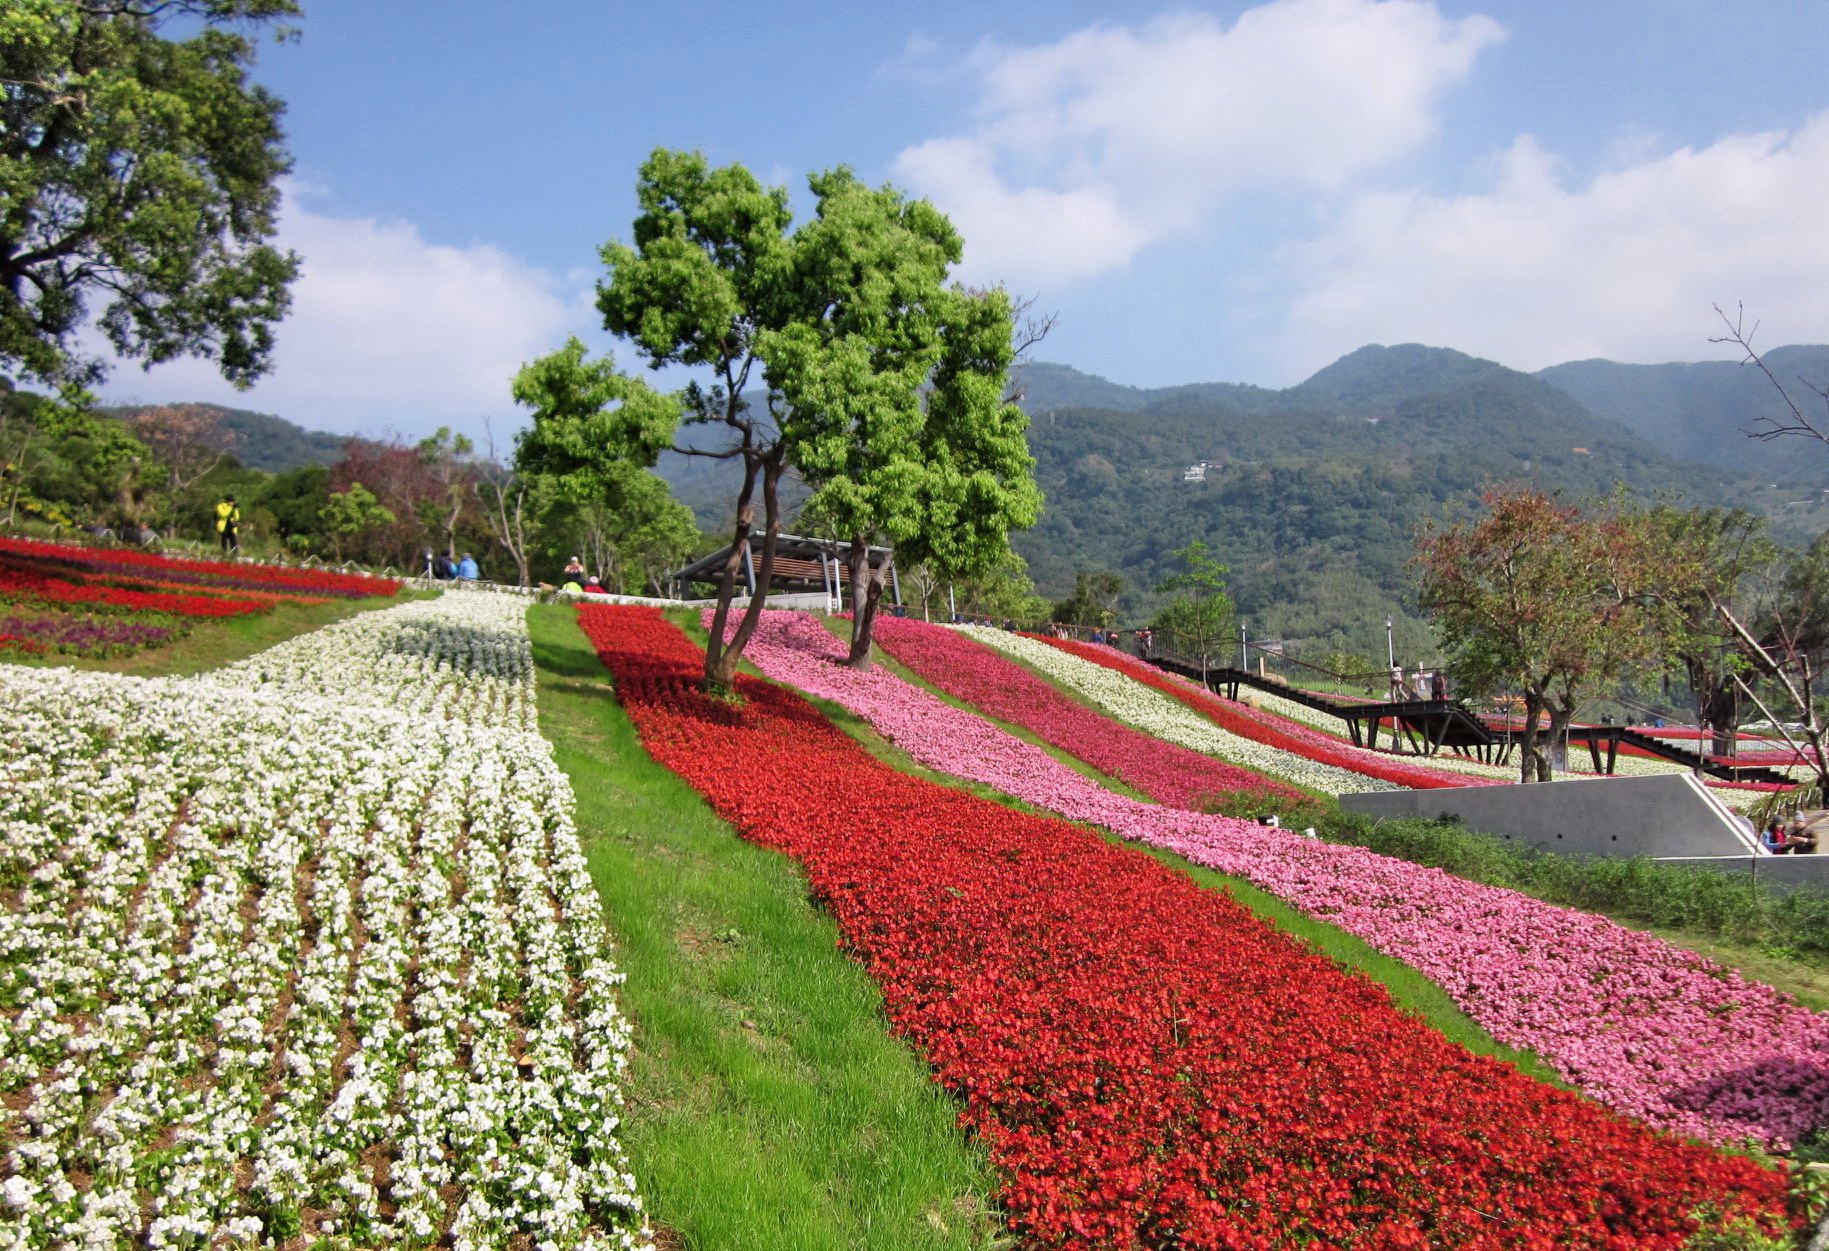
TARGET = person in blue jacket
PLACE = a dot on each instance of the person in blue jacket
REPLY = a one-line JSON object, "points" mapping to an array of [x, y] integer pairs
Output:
{"points": [[467, 570]]}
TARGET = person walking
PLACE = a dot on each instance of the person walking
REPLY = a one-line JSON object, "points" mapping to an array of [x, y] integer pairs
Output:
{"points": [[228, 524]]}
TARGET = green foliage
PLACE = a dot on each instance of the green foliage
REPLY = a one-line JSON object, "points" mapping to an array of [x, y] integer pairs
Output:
{"points": [[1002, 593], [1539, 597], [352, 513], [142, 170], [1199, 617], [1093, 602]]}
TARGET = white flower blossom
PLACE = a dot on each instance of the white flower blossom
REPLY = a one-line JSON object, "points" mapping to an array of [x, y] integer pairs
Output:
{"points": [[286, 920]]}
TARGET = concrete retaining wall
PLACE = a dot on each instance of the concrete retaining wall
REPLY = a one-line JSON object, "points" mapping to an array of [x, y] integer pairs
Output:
{"points": [[1669, 814]]}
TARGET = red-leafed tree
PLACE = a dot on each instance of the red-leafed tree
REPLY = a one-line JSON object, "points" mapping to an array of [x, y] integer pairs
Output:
{"points": [[1539, 597]]}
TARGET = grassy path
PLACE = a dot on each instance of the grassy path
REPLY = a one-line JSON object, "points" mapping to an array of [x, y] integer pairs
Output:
{"points": [[768, 1106]]}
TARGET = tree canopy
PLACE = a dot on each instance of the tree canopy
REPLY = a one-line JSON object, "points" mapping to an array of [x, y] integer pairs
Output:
{"points": [[1539, 597], [139, 173], [882, 385]]}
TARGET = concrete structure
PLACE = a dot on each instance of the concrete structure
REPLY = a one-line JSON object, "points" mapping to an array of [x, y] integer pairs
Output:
{"points": [[1670, 814]]}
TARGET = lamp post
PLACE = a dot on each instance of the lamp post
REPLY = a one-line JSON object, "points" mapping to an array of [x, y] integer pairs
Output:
{"points": [[1390, 645]]}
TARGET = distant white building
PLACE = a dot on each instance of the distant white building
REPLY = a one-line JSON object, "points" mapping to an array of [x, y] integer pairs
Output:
{"points": [[1196, 473]]}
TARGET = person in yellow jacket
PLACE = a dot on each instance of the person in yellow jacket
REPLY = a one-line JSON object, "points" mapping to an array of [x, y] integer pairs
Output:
{"points": [[228, 524]]}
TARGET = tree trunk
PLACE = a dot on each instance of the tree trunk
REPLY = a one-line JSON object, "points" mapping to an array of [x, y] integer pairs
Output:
{"points": [[1560, 716], [717, 678], [720, 675], [866, 596], [1532, 767], [1719, 707]]}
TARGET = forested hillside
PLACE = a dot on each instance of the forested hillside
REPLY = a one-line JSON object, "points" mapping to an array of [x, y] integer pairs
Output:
{"points": [[257, 440], [1313, 494], [1703, 410]]}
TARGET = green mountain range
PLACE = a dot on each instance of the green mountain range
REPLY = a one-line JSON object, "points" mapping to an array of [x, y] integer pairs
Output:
{"points": [[1314, 494]]}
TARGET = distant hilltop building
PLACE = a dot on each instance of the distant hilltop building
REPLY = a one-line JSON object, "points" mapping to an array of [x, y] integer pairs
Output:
{"points": [[1196, 473], [1581, 451]]}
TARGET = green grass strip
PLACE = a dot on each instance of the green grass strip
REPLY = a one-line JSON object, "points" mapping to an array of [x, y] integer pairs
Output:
{"points": [[768, 1104]]}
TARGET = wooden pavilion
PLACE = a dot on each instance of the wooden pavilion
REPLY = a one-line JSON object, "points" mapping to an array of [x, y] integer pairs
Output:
{"points": [[803, 565]]}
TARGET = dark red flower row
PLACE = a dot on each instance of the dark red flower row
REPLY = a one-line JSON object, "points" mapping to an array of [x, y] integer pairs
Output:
{"points": [[235, 574], [1226, 717], [1150, 1065], [44, 589], [970, 671]]}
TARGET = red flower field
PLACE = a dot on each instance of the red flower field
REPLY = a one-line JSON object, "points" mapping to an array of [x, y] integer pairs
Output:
{"points": [[1150, 1065]]}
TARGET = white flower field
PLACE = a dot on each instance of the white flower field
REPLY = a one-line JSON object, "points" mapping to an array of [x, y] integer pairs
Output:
{"points": [[305, 949]]}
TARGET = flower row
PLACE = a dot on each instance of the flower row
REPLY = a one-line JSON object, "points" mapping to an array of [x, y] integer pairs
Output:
{"points": [[93, 562], [1237, 719], [34, 587], [1645, 1027], [1166, 718], [989, 681], [1150, 1064], [305, 949]]}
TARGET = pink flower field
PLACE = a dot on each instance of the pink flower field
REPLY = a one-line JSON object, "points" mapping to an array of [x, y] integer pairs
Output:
{"points": [[1644, 1027]]}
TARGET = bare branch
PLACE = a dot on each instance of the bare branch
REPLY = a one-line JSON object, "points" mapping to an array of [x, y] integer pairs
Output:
{"points": [[1769, 427]]}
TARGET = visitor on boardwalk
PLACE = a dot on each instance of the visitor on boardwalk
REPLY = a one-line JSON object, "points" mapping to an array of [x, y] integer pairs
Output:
{"points": [[228, 524], [1397, 683], [1438, 685], [467, 569]]}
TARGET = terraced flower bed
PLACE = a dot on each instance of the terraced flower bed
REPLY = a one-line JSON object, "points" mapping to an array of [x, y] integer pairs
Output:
{"points": [[1647, 1028], [304, 952], [1164, 717], [987, 680], [1149, 1063]]}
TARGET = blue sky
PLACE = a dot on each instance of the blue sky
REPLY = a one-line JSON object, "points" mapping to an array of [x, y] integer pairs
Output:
{"points": [[1222, 192]]}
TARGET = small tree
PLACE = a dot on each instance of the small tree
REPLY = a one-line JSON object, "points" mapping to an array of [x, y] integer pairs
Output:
{"points": [[1538, 597], [1200, 614], [351, 514]]}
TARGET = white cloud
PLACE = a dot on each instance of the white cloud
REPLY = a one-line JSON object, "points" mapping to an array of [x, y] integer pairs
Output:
{"points": [[1090, 148], [1535, 271], [389, 332]]}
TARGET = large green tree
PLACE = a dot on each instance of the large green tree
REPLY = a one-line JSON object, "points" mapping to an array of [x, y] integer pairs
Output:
{"points": [[138, 173], [882, 385], [1540, 597]]}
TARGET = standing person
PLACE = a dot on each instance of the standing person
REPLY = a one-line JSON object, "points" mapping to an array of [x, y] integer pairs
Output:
{"points": [[574, 570], [1397, 683], [228, 524], [467, 570], [1438, 685]]}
